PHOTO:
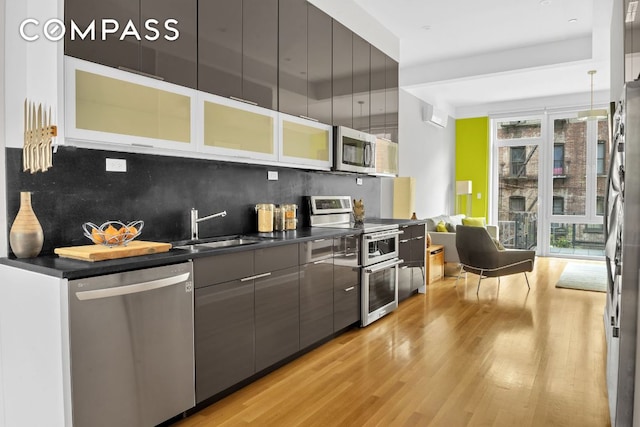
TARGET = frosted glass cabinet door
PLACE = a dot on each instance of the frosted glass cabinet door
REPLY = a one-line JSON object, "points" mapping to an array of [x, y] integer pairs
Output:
{"points": [[236, 129], [106, 105], [305, 143]]}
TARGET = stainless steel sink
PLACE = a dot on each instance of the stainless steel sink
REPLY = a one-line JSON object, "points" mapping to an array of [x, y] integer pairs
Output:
{"points": [[223, 243]]}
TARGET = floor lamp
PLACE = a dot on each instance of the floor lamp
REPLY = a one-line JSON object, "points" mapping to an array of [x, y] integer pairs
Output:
{"points": [[463, 190]]}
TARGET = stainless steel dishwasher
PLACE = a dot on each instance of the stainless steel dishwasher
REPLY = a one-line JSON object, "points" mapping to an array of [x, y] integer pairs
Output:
{"points": [[131, 337]]}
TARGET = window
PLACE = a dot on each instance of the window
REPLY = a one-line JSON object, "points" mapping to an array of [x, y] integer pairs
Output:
{"points": [[600, 166], [599, 205], [516, 204], [558, 205], [558, 159], [518, 156]]}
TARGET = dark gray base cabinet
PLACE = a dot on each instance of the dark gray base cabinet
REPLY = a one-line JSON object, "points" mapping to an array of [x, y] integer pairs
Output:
{"points": [[224, 330], [346, 282], [277, 317], [412, 251], [316, 302], [346, 306]]}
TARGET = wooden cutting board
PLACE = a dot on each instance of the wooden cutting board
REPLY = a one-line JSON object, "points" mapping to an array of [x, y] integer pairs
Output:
{"points": [[101, 252]]}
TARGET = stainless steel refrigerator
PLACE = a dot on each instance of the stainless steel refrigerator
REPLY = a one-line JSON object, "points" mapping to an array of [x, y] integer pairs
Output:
{"points": [[622, 228]]}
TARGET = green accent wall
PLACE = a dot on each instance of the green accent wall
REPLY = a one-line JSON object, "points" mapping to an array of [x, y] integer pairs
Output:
{"points": [[472, 162]]}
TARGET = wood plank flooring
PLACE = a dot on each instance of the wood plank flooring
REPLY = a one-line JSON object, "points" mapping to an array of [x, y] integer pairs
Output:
{"points": [[507, 357]]}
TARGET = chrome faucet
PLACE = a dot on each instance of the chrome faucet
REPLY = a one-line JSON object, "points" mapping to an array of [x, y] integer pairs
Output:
{"points": [[195, 220]]}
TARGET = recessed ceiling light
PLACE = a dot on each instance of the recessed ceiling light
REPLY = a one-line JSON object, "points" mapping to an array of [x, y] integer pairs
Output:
{"points": [[573, 20], [426, 27], [545, 2]]}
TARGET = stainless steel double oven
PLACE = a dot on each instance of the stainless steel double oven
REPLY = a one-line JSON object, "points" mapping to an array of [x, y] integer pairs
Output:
{"points": [[379, 261]]}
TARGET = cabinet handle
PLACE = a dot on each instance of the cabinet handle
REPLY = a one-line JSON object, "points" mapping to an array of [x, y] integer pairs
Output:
{"points": [[257, 276], [351, 254], [142, 73], [350, 289], [135, 144], [404, 267], [308, 118], [419, 238], [322, 261], [246, 101], [319, 240], [404, 241]]}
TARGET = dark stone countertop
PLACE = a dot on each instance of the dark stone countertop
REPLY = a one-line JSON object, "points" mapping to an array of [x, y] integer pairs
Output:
{"points": [[398, 221], [65, 268]]}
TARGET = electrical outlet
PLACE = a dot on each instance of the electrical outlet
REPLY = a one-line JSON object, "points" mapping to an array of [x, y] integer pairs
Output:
{"points": [[358, 181], [479, 196], [116, 165], [272, 175]]}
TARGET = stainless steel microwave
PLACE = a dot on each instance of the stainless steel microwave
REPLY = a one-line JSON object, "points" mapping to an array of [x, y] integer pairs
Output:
{"points": [[355, 151]]}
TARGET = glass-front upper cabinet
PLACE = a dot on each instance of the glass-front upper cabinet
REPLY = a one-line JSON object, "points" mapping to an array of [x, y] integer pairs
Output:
{"points": [[305, 142], [106, 105], [235, 129]]}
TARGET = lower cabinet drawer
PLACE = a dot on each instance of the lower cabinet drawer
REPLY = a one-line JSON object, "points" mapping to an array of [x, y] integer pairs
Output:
{"points": [[346, 306]]}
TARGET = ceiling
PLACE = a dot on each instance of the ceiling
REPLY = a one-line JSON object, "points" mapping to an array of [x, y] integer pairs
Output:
{"points": [[459, 54]]}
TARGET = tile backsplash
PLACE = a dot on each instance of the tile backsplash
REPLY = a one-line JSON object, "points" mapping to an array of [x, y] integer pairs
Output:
{"points": [[161, 190]]}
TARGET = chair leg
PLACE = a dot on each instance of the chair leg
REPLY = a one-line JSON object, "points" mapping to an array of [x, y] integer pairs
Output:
{"points": [[479, 279], [525, 276], [459, 274]]}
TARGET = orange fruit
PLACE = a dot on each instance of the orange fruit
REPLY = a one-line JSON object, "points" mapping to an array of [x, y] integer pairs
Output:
{"points": [[127, 233], [96, 236], [112, 235], [131, 232]]}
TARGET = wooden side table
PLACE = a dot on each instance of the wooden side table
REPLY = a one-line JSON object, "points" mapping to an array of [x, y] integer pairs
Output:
{"points": [[435, 263]]}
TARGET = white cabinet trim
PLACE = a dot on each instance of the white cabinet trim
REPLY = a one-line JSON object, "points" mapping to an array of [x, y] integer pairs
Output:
{"points": [[72, 133], [234, 155], [300, 161]]}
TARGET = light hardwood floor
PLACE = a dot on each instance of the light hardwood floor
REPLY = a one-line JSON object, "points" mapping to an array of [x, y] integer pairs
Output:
{"points": [[448, 358]]}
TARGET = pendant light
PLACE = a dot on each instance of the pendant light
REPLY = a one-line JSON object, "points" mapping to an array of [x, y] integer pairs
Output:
{"points": [[592, 114]]}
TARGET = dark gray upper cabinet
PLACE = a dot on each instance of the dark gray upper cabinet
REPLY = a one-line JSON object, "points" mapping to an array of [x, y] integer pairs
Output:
{"points": [[304, 60], [292, 57], [391, 99], [220, 47], [111, 52], [361, 83], [260, 52], [238, 49], [378, 91], [173, 61], [342, 75], [319, 52]]}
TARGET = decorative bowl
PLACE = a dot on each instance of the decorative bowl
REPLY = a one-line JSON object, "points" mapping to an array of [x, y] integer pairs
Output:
{"points": [[112, 233]]}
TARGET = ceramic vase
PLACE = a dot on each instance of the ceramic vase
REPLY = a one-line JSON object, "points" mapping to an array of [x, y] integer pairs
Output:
{"points": [[26, 236]]}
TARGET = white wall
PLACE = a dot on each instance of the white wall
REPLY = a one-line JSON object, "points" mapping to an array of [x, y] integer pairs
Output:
{"points": [[3, 168], [30, 70], [427, 153], [3, 191]]}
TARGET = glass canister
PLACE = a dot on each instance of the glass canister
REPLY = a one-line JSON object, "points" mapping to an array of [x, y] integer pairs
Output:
{"points": [[265, 217], [290, 213], [279, 219]]}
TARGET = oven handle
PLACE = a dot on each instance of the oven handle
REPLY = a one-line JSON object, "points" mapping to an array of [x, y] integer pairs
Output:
{"points": [[382, 235], [383, 266]]}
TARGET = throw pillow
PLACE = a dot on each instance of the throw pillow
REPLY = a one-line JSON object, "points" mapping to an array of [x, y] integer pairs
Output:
{"points": [[451, 228], [441, 227], [474, 222], [499, 245]]}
